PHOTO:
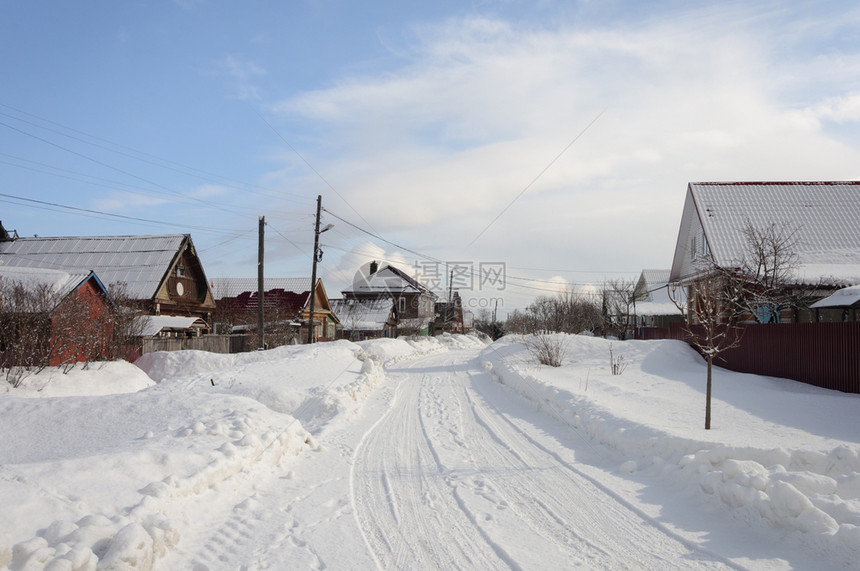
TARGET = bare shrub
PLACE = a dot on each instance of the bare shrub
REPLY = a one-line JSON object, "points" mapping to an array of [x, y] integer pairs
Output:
{"points": [[547, 349], [616, 364]]}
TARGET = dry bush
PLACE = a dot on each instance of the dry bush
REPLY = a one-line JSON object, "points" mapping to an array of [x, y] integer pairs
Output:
{"points": [[547, 349]]}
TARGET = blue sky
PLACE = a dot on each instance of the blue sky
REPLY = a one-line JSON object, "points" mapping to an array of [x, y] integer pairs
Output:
{"points": [[554, 137]]}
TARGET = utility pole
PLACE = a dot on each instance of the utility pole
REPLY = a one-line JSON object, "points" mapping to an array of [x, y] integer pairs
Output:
{"points": [[260, 284], [317, 258]]}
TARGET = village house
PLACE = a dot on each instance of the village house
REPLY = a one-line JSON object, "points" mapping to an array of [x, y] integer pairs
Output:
{"points": [[817, 222], [161, 274], [413, 303], [51, 317], [286, 307], [652, 304], [367, 319]]}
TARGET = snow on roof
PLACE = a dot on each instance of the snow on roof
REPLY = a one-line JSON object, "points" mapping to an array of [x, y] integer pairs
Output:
{"points": [[656, 308], [388, 280], [141, 262], [59, 283], [153, 324], [840, 298], [232, 287], [362, 315], [823, 216], [652, 287]]}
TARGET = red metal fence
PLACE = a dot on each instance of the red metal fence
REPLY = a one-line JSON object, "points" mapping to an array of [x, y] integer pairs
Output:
{"points": [[826, 355]]}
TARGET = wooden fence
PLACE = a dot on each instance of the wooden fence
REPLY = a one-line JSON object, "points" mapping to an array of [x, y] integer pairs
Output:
{"points": [[825, 355], [211, 343]]}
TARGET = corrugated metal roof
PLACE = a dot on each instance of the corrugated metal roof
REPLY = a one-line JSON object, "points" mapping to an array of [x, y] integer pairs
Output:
{"points": [[823, 216], [139, 261], [232, 287], [58, 283]]}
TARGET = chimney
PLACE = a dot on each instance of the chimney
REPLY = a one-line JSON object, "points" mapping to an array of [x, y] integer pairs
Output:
{"points": [[373, 267]]}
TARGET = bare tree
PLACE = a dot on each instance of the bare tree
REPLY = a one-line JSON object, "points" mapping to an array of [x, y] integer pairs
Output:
{"points": [[618, 299], [566, 312], [126, 330], [766, 272], [710, 325]]}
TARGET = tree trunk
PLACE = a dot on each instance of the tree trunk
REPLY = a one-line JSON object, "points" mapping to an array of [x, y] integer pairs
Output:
{"points": [[708, 395]]}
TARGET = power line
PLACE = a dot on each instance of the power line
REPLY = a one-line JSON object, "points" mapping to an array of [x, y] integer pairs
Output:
{"points": [[87, 211], [535, 179], [315, 171], [138, 154]]}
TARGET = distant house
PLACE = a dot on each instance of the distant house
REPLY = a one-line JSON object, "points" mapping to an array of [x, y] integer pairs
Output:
{"points": [[51, 317], [364, 319], [171, 326], [653, 305], [450, 316], [841, 305], [163, 274], [285, 300], [414, 303], [821, 216]]}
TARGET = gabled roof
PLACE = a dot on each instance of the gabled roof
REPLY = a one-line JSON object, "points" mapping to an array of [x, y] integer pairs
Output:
{"points": [[389, 280], [58, 284], [154, 324], [363, 315], [141, 262], [232, 287], [822, 216]]}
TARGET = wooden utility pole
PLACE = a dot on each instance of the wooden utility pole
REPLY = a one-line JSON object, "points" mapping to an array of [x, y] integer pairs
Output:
{"points": [[314, 271], [260, 284]]}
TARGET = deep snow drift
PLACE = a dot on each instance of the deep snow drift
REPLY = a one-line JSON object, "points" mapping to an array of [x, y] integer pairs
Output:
{"points": [[91, 460]]}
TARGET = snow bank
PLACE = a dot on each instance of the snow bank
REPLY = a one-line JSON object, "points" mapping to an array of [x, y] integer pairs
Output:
{"points": [[86, 468], [779, 450], [96, 379]]}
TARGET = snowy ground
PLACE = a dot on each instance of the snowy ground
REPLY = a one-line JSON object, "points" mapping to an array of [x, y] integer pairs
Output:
{"points": [[439, 452]]}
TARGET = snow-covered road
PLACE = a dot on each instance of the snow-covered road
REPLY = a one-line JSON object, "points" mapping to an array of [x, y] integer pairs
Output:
{"points": [[445, 479], [424, 454]]}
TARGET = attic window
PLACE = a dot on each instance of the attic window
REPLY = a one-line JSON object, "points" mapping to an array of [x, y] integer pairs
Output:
{"points": [[693, 248], [180, 271]]}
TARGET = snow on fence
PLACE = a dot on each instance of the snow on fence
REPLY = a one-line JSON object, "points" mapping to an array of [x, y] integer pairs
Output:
{"points": [[825, 355]]}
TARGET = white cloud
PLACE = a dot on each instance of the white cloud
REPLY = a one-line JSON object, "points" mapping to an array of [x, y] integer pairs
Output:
{"points": [[433, 151], [242, 73]]}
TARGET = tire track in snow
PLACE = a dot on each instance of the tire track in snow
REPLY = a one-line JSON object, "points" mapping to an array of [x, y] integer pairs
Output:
{"points": [[472, 490], [403, 503]]}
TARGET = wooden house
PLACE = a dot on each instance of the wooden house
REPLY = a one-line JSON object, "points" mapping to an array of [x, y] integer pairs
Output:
{"points": [[820, 217], [162, 274], [286, 301], [414, 304], [50, 317]]}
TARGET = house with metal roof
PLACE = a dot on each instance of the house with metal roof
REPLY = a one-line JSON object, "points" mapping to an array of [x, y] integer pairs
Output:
{"points": [[286, 300], [653, 304], [414, 303], [51, 317], [820, 217], [162, 273]]}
